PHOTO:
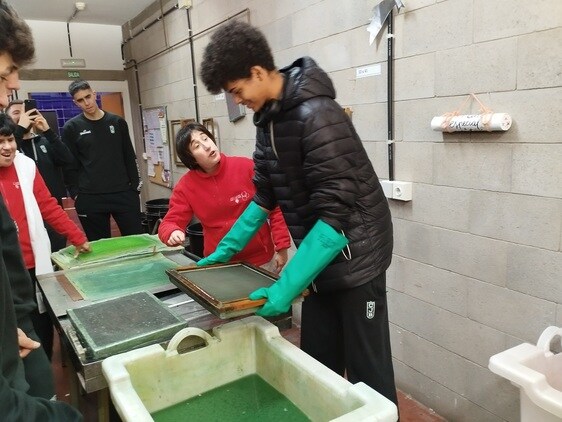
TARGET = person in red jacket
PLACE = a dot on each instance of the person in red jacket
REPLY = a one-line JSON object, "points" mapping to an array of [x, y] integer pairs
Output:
{"points": [[30, 204], [217, 189]]}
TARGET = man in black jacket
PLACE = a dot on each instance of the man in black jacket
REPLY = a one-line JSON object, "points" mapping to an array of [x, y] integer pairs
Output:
{"points": [[310, 160], [37, 140], [104, 177]]}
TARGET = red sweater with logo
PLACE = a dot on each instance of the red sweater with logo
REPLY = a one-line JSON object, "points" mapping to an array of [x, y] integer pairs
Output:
{"points": [[217, 201]]}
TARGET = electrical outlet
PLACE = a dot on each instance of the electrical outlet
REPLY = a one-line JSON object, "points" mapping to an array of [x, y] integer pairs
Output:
{"points": [[401, 191]]}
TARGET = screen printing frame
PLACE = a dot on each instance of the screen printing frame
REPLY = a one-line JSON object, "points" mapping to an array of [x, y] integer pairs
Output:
{"points": [[183, 279]]}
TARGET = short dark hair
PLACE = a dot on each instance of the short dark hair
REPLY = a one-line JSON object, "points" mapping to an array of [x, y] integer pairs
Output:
{"points": [[183, 141], [15, 36], [233, 50], [11, 104], [7, 125], [78, 85]]}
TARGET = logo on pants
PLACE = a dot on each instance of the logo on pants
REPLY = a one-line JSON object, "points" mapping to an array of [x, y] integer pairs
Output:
{"points": [[370, 310]]}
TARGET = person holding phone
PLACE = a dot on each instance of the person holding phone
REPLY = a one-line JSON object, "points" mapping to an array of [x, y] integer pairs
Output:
{"points": [[31, 106], [38, 141]]}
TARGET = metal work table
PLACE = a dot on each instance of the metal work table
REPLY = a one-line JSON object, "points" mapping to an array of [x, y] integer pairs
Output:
{"points": [[86, 375]]}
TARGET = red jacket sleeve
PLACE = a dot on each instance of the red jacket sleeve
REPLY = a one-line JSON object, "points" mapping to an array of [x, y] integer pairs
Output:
{"points": [[179, 213], [54, 215], [279, 230]]}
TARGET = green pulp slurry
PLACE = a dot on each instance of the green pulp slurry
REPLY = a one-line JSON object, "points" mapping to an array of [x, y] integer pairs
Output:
{"points": [[109, 249], [247, 399], [116, 279]]}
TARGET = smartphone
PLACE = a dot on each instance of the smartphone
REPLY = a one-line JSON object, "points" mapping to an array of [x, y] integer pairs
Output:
{"points": [[30, 105]]}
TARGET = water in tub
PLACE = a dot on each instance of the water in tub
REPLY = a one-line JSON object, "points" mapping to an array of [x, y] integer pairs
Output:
{"points": [[247, 399]]}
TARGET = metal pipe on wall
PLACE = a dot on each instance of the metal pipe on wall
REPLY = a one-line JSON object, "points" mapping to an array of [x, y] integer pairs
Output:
{"points": [[193, 71], [184, 40], [164, 22], [137, 84], [390, 94], [153, 22], [69, 40]]}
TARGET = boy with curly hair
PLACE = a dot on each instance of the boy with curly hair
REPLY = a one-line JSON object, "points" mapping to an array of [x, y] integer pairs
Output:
{"points": [[17, 401], [310, 161], [16, 50]]}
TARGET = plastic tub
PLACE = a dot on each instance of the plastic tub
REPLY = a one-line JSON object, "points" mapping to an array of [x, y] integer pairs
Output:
{"points": [[146, 380], [537, 371]]}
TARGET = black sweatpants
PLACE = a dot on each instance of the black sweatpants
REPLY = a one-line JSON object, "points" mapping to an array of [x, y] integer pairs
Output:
{"points": [[345, 332], [95, 211]]}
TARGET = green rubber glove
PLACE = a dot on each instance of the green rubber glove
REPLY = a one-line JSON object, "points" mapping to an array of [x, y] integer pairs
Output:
{"points": [[319, 247], [238, 236]]}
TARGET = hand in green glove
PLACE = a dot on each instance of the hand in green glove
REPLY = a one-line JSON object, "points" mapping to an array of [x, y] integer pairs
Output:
{"points": [[319, 247], [238, 236]]}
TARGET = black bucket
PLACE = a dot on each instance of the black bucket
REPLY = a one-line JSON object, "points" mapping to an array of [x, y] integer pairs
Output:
{"points": [[156, 209], [195, 235], [144, 223]]}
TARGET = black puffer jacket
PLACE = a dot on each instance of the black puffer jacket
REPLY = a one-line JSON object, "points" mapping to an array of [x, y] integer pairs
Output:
{"points": [[315, 167]]}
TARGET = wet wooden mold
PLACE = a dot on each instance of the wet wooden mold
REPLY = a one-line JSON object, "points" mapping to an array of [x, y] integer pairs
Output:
{"points": [[223, 289]]}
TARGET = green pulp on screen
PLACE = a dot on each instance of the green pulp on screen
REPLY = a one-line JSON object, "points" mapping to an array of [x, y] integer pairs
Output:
{"points": [[125, 276], [110, 249], [247, 399]]}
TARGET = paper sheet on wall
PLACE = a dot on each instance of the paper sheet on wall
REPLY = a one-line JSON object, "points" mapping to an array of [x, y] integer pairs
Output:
{"points": [[157, 146], [150, 170], [163, 129]]}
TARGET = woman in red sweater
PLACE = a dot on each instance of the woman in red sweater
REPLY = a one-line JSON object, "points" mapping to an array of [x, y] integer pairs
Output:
{"points": [[30, 203], [217, 189]]}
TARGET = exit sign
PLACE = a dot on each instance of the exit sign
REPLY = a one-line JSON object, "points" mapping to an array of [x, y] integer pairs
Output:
{"points": [[73, 74]]}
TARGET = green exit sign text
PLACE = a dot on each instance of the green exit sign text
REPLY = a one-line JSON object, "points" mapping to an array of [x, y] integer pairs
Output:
{"points": [[73, 74]]}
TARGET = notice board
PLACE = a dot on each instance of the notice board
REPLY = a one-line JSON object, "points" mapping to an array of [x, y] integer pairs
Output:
{"points": [[157, 145]]}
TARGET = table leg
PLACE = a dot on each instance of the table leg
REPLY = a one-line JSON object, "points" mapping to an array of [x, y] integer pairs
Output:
{"points": [[103, 405]]}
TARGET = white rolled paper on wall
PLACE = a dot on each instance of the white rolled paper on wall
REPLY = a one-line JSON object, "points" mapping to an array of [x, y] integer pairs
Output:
{"points": [[472, 122]]}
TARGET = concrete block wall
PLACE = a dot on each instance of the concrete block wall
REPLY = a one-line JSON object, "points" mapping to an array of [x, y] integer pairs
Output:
{"points": [[477, 262]]}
